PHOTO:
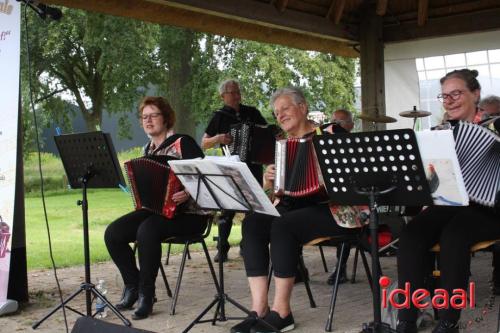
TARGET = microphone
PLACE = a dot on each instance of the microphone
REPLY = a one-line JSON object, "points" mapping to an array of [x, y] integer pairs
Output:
{"points": [[43, 10]]}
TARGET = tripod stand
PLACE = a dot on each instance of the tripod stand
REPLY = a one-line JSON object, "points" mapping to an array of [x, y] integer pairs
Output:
{"points": [[223, 192], [381, 167], [81, 174]]}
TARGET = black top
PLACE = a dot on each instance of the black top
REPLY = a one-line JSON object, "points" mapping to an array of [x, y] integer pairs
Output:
{"points": [[225, 117]]}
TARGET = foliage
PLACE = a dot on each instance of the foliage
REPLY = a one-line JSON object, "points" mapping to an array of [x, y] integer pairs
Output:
{"points": [[327, 80], [106, 63], [96, 60]]}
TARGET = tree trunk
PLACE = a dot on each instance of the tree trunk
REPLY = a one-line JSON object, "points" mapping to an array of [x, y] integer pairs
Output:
{"points": [[179, 77]]}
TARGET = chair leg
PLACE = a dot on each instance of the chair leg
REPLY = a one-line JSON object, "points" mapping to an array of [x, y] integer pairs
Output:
{"points": [[189, 254], [169, 247], [333, 299], [367, 268], [302, 271], [179, 279], [355, 265], [167, 286], [323, 260]]}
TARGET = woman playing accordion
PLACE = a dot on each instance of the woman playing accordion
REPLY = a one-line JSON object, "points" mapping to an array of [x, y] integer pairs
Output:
{"points": [[455, 228], [145, 226], [302, 220]]}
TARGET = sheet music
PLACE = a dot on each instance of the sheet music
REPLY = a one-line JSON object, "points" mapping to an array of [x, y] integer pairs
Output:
{"points": [[223, 187], [442, 169]]}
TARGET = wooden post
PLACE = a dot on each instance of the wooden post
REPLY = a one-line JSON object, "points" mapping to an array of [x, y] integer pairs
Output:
{"points": [[372, 66]]}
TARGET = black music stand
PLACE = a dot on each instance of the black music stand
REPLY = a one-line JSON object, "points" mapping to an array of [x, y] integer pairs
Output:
{"points": [[372, 168], [221, 197], [90, 161]]}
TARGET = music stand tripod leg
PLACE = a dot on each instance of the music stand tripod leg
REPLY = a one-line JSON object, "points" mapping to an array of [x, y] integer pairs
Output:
{"points": [[86, 286]]}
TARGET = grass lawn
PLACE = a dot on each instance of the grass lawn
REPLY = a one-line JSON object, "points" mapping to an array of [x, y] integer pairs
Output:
{"points": [[65, 221]]}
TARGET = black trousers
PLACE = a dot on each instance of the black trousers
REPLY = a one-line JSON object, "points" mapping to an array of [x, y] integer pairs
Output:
{"points": [[286, 235], [456, 229], [149, 230]]}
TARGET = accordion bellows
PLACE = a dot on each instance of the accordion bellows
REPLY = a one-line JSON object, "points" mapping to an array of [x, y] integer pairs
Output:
{"points": [[153, 183], [478, 153], [297, 168]]}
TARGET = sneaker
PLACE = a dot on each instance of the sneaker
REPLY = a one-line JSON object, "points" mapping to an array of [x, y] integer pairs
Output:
{"points": [[445, 326], [273, 318], [246, 324], [342, 277], [406, 327]]}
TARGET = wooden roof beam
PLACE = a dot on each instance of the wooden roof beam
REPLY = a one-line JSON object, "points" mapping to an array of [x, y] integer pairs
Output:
{"points": [[280, 5], [444, 26], [336, 10], [423, 12], [381, 9], [161, 13]]}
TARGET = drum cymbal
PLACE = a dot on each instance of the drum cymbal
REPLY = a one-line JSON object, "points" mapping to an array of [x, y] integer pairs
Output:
{"points": [[415, 113], [377, 118]]}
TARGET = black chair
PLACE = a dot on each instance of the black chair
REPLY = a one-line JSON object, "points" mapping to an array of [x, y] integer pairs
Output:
{"points": [[342, 241], [187, 241]]}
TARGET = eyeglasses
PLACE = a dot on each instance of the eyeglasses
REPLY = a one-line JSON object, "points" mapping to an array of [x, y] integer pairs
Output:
{"points": [[150, 116], [454, 95]]}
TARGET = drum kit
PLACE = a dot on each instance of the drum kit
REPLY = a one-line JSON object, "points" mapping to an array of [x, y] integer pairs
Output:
{"points": [[414, 113]]}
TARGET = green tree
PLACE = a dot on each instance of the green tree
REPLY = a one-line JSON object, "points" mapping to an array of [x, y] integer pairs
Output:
{"points": [[97, 61], [327, 80]]}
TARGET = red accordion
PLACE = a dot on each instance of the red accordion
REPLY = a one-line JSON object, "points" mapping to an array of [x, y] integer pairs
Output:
{"points": [[297, 169], [153, 183]]}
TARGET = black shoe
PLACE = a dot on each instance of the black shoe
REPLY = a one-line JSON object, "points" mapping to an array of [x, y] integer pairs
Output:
{"points": [[273, 318], [144, 307], [246, 324], [225, 250], [445, 326], [406, 327], [342, 277], [129, 297]]}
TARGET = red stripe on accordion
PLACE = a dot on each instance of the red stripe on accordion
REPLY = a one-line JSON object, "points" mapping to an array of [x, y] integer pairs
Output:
{"points": [[301, 161]]}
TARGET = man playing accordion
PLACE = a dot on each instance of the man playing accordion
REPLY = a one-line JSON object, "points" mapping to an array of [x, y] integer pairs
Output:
{"points": [[302, 220], [455, 228]]}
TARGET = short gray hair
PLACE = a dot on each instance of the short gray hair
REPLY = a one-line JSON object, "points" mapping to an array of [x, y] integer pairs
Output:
{"points": [[295, 93], [223, 85], [490, 100], [345, 112]]}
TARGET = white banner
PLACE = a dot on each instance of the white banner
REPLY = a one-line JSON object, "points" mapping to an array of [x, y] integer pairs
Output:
{"points": [[10, 37]]}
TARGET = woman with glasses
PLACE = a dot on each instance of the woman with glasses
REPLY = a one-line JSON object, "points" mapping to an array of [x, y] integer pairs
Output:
{"points": [[146, 228], [455, 228]]}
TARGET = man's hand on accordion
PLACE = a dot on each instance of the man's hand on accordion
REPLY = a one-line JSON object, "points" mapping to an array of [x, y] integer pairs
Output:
{"points": [[224, 138], [180, 197]]}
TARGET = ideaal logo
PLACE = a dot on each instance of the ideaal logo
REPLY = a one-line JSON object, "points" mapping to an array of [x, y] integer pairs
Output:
{"points": [[440, 300], [5, 7]]}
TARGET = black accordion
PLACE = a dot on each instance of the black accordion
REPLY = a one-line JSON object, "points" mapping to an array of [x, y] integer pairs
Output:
{"points": [[478, 153], [153, 183], [297, 169], [253, 143]]}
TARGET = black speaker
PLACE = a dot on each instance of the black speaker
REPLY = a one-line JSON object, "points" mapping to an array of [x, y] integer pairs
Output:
{"points": [[91, 325]]}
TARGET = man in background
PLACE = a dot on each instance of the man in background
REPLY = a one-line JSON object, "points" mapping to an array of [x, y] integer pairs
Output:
{"points": [[217, 133]]}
